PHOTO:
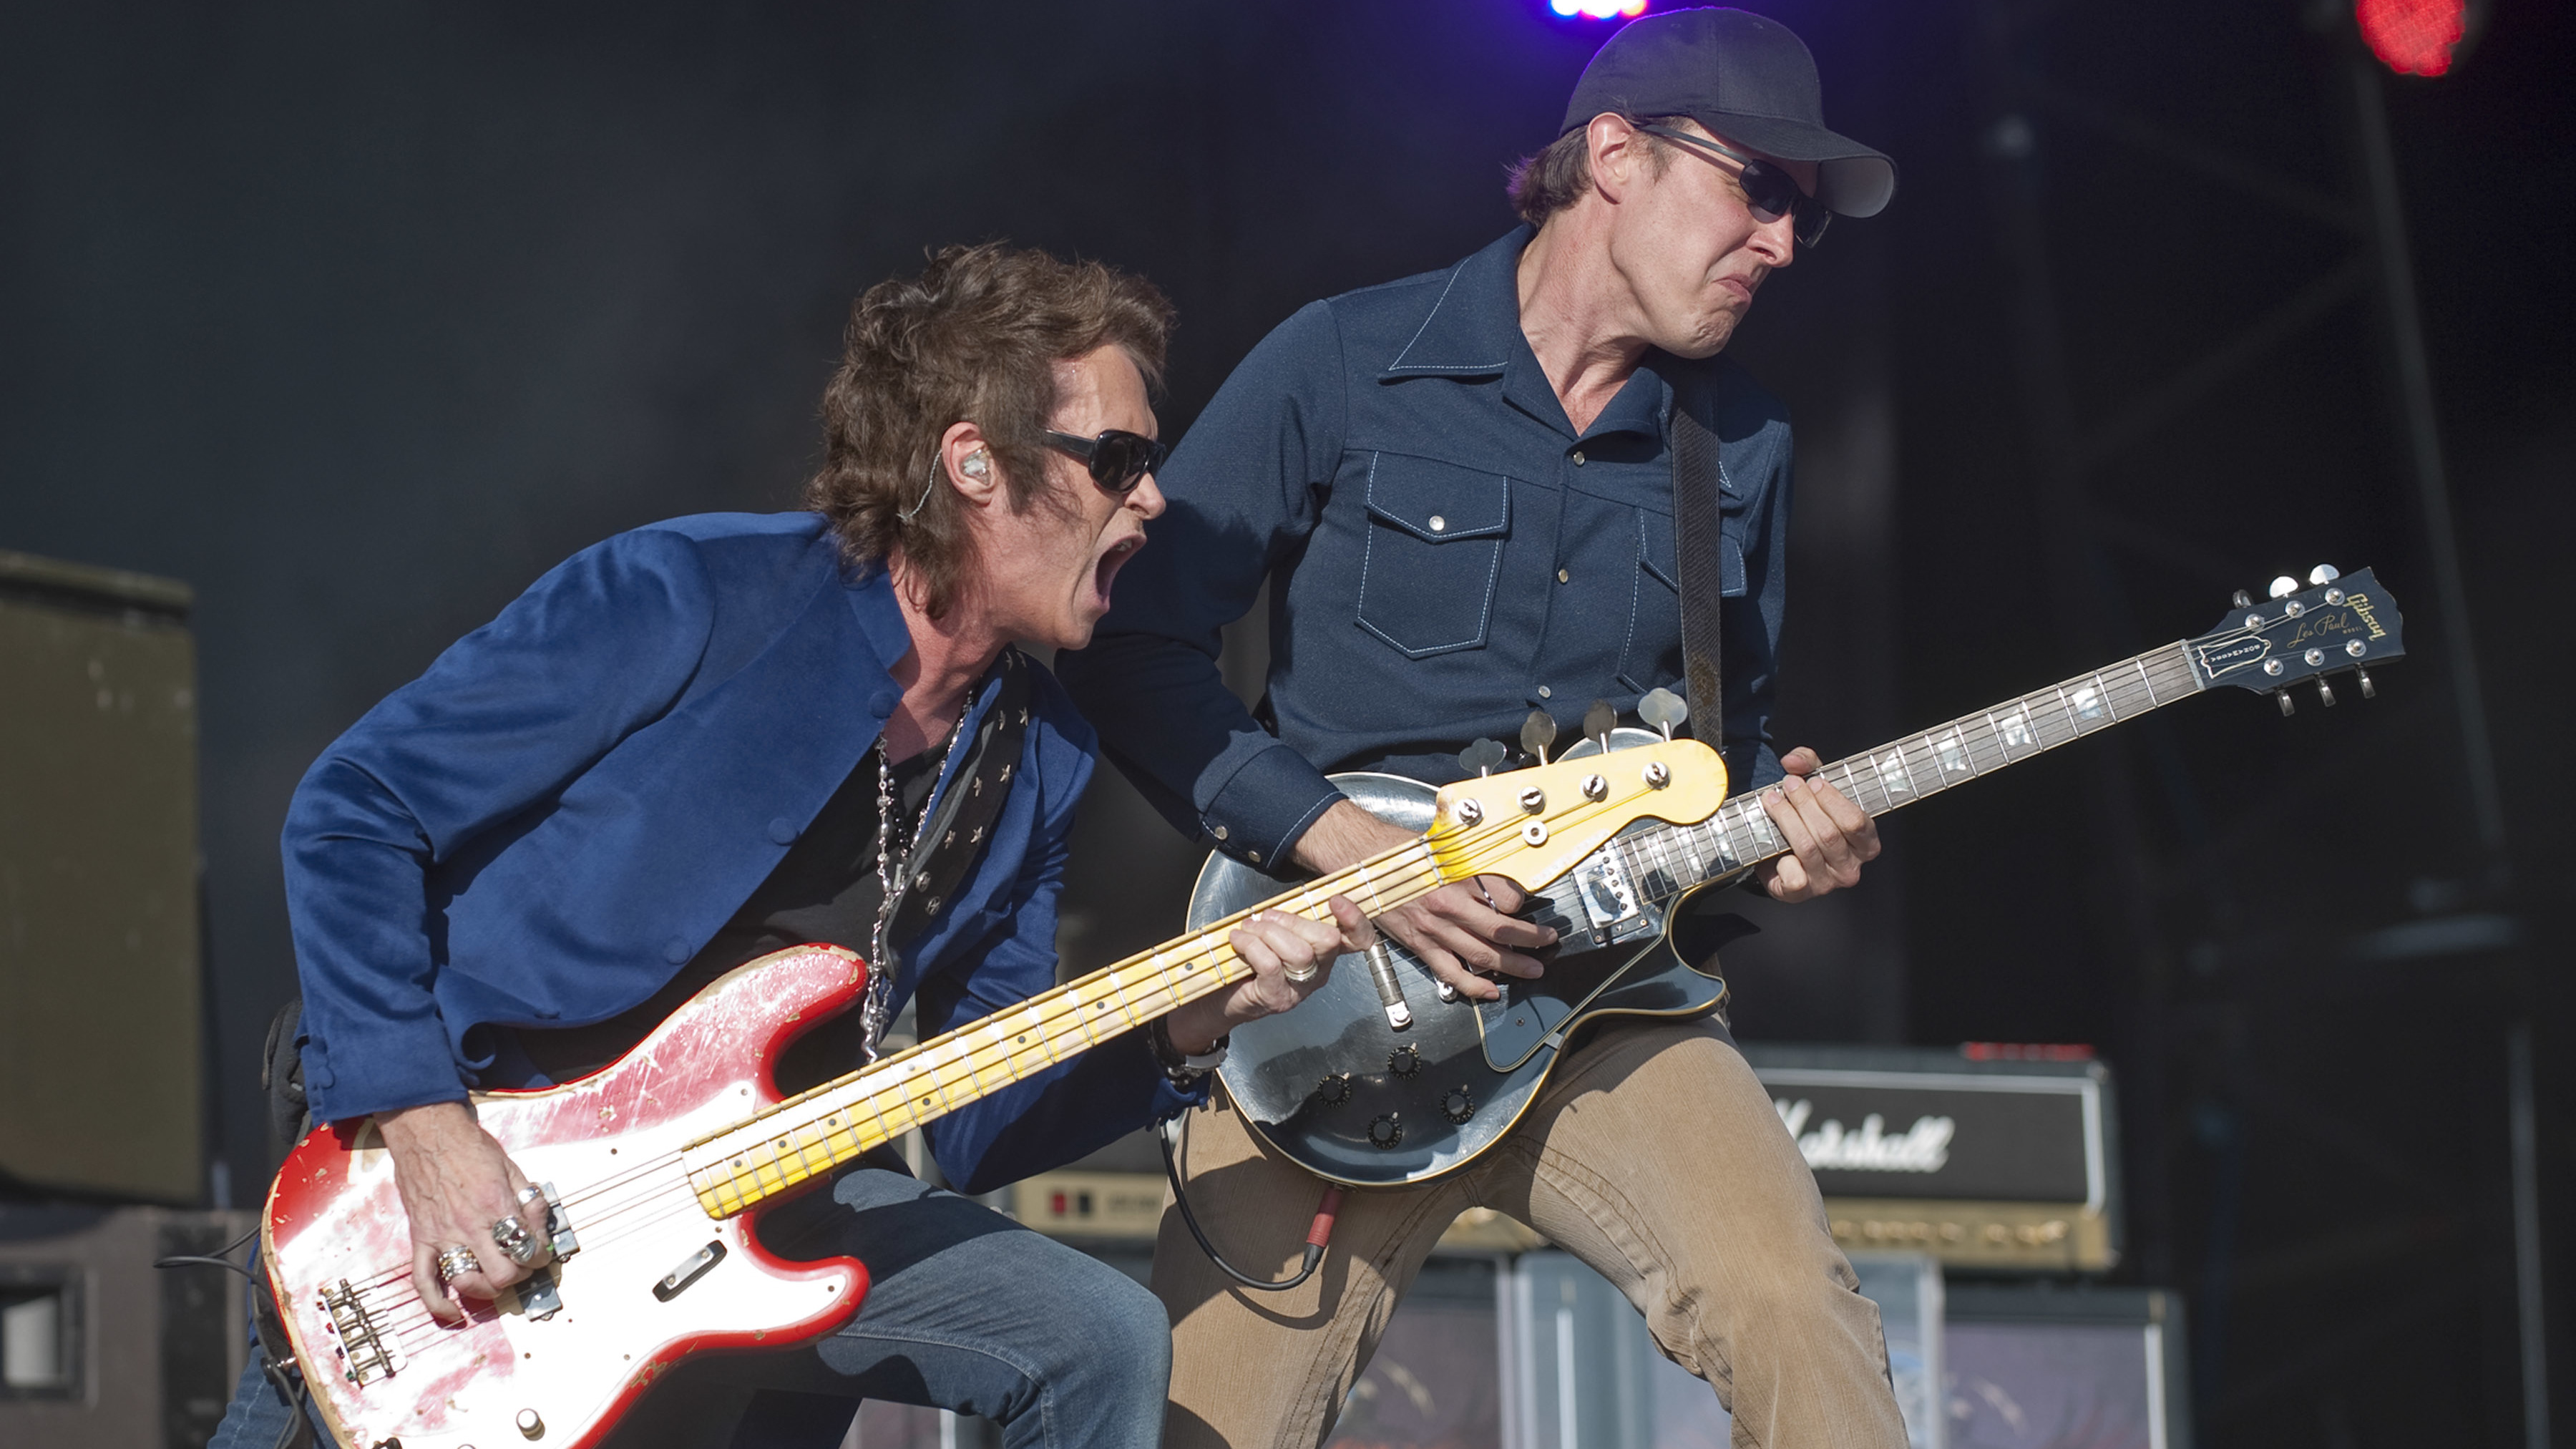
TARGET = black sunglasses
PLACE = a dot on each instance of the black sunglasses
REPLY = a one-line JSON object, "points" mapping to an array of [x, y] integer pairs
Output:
{"points": [[1118, 460], [1773, 192]]}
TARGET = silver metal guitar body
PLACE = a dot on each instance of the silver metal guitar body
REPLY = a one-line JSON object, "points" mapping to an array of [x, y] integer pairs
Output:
{"points": [[1338, 1087]]}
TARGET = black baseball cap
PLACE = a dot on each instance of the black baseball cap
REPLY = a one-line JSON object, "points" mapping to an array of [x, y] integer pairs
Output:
{"points": [[1747, 80]]}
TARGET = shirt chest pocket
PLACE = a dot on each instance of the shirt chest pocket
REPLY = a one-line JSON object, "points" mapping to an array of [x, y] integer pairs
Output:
{"points": [[1652, 653], [1431, 554]]}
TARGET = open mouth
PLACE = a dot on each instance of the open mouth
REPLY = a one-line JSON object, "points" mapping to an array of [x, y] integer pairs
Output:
{"points": [[1105, 572]]}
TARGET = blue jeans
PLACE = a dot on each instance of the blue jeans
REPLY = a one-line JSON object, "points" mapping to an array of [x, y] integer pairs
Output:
{"points": [[966, 1310]]}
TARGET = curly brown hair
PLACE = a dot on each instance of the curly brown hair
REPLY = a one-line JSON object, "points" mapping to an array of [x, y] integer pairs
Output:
{"points": [[975, 338], [1540, 186]]}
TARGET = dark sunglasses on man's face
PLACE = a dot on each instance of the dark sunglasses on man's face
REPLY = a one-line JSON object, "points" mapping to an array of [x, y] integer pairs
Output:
{"points": [[1773, 192], [1118, 460]]}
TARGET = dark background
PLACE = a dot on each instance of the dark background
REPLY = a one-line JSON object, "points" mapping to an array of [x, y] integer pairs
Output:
{"points": [[358, 318]]}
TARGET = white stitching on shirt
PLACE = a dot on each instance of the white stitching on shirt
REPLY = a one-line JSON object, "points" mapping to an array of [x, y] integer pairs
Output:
{"points": [[1426, 326]]}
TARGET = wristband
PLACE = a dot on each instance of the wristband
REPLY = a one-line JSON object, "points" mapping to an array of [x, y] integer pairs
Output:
{"points": [[1181, 1069]]}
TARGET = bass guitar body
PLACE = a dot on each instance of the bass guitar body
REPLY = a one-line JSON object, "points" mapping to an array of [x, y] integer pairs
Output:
{"points": [[644, 1276], [1337, 1087]]}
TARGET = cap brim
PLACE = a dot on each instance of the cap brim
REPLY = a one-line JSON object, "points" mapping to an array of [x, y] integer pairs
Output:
{"points": [[1851, 179]]}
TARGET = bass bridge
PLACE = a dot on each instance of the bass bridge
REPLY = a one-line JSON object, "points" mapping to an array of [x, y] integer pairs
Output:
{"points": [[364, 1355]]}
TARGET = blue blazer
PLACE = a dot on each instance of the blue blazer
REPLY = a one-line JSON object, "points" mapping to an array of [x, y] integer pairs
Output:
{"points": [[540, 830]]}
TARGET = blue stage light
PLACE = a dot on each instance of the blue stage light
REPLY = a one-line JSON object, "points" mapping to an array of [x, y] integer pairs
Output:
{"points": [[1600, 9]]}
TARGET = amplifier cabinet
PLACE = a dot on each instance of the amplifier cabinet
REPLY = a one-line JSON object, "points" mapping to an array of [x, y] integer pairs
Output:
{"points": [[101, 1019], [2005, 1165], [100, 1350]]}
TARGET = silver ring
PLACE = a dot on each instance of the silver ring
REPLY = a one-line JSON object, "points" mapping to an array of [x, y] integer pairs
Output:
{"points": [[1302, 977], [530, 1194], [511, 1235], [455, 1262]]}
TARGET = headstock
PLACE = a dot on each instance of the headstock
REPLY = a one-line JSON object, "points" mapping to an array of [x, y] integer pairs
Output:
{"points": [[1531, 826], [2338, 622]]}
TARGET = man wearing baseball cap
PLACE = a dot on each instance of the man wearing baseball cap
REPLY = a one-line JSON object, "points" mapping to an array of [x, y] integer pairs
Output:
{"points": [[1461, 491]]}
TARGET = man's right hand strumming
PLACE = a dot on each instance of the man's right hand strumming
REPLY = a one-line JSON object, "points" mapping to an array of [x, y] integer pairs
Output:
{"points": [[1458, 930], [455, 1183]]}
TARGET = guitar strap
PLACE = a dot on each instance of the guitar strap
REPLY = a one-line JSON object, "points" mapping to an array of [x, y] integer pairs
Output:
{"points": [[955, 834], [1697, 546]]}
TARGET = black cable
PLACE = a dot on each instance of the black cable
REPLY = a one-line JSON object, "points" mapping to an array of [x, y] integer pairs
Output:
{"points": [[214, 1260], [190, 1260], [288, 1383], [1181, 1199]]}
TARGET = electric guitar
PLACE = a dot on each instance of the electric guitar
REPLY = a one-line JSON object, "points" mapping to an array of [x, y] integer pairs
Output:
{"points": [[1385, 1076], [656, 1166]]}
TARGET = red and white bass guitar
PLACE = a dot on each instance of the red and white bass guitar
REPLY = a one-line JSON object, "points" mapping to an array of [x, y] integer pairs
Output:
{"points": [[657, 1164]]}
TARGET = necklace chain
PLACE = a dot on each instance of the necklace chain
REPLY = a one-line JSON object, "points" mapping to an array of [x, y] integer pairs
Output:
{"points": [[895, 848]]}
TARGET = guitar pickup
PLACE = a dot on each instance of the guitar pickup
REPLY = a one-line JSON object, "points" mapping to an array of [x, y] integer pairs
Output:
{"points": [[540, 1297], [691, 1269], [559, 1234]]}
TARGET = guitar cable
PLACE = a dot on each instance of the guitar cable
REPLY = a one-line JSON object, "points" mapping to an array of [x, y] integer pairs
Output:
{"points": [[1318, 1233], [289, 1384]]}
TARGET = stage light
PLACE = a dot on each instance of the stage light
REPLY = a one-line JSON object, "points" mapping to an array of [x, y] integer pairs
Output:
{"points": [[2414, 37], [1600, 9]]}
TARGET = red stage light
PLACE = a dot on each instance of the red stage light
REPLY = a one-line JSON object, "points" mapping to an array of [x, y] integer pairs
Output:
{"points": [[2413, 37]]}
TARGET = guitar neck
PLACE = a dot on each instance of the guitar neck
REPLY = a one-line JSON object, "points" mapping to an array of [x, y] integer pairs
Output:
{"points": [[823, 1129], [1740, 835]]}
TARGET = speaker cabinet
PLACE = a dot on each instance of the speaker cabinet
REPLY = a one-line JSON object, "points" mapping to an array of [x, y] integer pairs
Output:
{"points": [[101, 1027], [98, 1349]]}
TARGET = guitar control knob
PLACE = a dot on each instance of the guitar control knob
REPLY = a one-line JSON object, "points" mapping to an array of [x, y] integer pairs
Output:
{"points": [[1405, 1060], [1458, 1104], [1386, 1131], [1334, 1090], [531, 1425]]}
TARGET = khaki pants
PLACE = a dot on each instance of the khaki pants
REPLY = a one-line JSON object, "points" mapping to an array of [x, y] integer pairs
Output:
{"points": [[1652, 1154]]}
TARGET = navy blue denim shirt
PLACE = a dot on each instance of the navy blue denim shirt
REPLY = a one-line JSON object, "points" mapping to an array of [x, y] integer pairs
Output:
{"points": [[1446, 552]]}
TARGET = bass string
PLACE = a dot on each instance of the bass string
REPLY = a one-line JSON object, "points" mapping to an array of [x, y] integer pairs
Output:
{"points": [[588, 1230], [666, 1160], [409, 1321], [1060, 1014], [1479, 844], [1056, 1016], [418, 1330]]}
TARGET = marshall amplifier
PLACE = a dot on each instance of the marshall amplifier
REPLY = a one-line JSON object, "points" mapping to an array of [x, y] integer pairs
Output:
{"points": [[2000, 1158]]}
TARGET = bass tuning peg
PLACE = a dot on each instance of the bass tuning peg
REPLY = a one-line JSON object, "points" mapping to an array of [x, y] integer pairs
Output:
{"points": [[1481, 757], [1598, 722], [1663, 709], [1537, 733]]}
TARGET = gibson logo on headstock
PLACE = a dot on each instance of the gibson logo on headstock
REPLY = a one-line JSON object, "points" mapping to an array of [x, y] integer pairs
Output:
{"points": [[2361, 605], [2217, 659]]}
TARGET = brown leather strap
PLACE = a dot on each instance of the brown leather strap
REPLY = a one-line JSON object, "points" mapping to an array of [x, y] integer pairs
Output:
{"points": [[1697, 548]]}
